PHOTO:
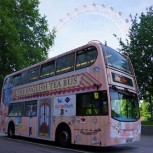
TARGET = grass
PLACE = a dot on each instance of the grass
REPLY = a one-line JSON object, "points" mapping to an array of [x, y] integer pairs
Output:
{"points": [[147, 123]]}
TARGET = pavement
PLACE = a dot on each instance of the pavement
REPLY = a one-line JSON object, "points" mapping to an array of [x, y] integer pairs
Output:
{"points": [[147, 130], [2, 134]]}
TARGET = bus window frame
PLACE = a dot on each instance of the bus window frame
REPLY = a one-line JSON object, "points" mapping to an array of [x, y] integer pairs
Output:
{"points": [[106, 56], [63, 70], [84, 51], [31, 103], [15, 83], [38, 74], [43, 76], [19, 107], [8, 84], [84, 106]]}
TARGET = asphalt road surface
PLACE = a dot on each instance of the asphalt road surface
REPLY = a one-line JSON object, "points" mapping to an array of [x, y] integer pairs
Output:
{"points": [[24, 145]]}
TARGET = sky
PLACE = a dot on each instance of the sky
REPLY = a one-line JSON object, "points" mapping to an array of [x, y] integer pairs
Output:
{"points": [[77, 28]]}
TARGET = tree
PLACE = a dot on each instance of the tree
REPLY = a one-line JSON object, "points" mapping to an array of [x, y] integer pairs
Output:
{"points": [[24, 35], [140, 49], [145, 114]]}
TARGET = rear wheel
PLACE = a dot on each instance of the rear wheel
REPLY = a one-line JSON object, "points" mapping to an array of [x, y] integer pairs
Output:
{"points": [[63, 136], [11, 130]]}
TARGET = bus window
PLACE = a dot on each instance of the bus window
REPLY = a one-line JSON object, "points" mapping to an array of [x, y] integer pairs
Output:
{"points": [[8, 83], [17, 80], [33, 74], [24, 78], [87, 104], [47, 70], [124, 105], [31, 108], [65, 64], [86, 57], [7, 90], [16, 109], [121, 63]]}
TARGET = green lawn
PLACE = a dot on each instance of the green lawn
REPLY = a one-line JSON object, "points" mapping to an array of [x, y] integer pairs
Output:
{"points": [[147, 122]]}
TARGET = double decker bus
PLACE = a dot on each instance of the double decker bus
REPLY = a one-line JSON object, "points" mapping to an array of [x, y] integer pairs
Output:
{"points": [[87, 96]]}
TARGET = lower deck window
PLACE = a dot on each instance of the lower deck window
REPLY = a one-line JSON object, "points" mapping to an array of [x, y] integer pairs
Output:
{"points": [[31, 108], [28, 108], [16, 109], [88, 105]]}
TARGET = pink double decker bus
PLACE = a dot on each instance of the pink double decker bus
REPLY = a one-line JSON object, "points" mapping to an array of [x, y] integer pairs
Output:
{"points": [[87, 96]]}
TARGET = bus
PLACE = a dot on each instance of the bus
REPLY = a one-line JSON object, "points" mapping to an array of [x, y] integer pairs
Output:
{"points": [[86, 96]]}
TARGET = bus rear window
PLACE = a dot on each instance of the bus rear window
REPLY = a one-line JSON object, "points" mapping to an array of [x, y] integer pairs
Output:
{"points": [[8, 83]]}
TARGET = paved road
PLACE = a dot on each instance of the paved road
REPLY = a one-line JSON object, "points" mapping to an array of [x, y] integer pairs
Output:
{"points": [[22, 145]]}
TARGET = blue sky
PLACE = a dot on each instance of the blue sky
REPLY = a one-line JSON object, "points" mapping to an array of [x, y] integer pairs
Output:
{"points": [[90, 25]]}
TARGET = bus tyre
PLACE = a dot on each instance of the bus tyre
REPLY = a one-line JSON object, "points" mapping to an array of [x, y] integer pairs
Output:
{"points": [[11, 130], [63, 136]]}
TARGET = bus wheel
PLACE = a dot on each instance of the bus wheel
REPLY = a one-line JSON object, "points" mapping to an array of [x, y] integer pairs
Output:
{"points": [[11, 130], [63, 136]]}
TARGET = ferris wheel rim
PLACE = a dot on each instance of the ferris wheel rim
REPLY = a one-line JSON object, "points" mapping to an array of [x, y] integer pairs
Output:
{"points": [[109, 13]]}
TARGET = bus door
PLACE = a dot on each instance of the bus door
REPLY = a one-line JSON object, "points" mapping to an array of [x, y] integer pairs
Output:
{"points": [[44, 117]]}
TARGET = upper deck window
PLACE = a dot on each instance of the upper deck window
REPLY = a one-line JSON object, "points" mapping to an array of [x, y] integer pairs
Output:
{"points": [[33, 74], [47, 70], [86, 57], [7, 90], [17, 80], [8, 83], [116, 60], [65, 64], [24, 77]]}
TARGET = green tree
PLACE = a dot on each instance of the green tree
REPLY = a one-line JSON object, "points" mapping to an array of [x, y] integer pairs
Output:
{"points": [[145, 113], [24, 35], [140, 49]]}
